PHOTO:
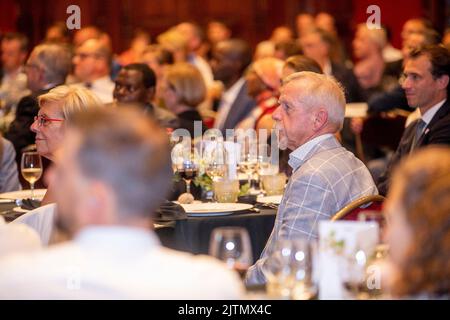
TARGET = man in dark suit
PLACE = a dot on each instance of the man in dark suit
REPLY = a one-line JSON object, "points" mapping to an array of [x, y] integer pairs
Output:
{"points": [[46, 68], [230, 60], [136, 83], [426, 85], [316, 45]]}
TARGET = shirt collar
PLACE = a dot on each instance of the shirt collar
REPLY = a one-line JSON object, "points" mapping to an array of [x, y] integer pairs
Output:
{"points": [[428, 116], [297, 157], [116, 237], [327, 69], [230, 95]]}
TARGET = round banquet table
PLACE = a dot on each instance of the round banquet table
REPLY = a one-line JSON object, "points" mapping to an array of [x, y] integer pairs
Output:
{"points": [[193, 234]]}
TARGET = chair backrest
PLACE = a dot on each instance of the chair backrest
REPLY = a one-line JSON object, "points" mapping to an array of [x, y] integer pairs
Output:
{"points": [[41, 220], [351, 211]]}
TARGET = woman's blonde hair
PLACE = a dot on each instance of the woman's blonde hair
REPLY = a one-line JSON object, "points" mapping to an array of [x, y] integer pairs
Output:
{"points": [[188, 84], [72, 99], [423, 185]]}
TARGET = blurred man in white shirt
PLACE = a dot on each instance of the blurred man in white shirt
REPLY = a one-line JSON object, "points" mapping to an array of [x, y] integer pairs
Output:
{"points": [[92, 66], [112, 174]]}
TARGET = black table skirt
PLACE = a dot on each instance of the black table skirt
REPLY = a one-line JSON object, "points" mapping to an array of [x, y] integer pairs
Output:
{"points": [[193, 234]]}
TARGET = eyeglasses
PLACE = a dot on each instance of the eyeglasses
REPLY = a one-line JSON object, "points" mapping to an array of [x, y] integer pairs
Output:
{"points": [[44, 121], [128, 88], [83, 55]]}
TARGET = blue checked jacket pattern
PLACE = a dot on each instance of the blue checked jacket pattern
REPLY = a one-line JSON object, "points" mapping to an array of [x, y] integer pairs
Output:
{"points": [[326, 180]]}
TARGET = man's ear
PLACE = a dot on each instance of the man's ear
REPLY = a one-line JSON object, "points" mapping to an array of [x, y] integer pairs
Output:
{"points": [[320, 119], [443, 82]]}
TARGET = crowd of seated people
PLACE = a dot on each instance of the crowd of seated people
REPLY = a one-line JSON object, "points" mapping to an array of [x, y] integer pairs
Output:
{"points": [[295, 82]]}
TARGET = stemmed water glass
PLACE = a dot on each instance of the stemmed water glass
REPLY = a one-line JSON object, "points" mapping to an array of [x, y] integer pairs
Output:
{"points": [[249, 158], [232, 245], [31, 168], [215, 161]]}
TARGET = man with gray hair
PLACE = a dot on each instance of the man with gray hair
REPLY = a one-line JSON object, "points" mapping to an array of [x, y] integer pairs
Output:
{"points": [[46, 68], [112, 173], [326, 177]]}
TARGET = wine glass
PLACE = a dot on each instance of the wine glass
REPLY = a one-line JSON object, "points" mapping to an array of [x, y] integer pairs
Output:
{"points": [[289, 270], [232, 245], [31, 168], [188, 170], [215, 161]]}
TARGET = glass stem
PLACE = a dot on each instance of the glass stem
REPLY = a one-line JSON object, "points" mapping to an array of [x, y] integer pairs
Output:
{"points": [[32, 190], [188, 186]]}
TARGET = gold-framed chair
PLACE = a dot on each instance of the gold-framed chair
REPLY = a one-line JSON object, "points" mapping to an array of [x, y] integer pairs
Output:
{"points": [[350, 211]]}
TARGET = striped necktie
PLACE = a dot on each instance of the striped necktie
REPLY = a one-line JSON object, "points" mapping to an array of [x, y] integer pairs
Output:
{"points": [[420, 125]]}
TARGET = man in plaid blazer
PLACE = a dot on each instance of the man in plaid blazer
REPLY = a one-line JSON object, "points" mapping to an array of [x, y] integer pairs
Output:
{"points": [[326, 177]]}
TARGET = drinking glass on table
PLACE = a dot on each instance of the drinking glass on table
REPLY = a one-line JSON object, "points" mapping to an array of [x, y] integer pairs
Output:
{"points": [[215, 161], [187, 170], [31, 168], [289, 270], [232, 245]]}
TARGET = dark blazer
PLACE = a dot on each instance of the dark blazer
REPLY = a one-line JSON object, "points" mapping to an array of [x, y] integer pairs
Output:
{"points": [[186, 121], [437, 132], [346, 77], [19, 132], [239, 110]]}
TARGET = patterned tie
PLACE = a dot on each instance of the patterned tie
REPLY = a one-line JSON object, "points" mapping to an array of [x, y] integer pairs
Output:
{"points": [[420, 125]]}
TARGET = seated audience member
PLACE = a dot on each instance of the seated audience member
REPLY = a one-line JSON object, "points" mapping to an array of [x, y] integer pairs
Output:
{"points": [[56, 109], [9, 178], [292, 65], [175, 42], [58, 33], [263, 83], [136, 84], [140, 41], [113, 172], [84, 34], [317, 44], [46, 68], [370, 67], [304, 23], [418, 229], [13, 80], [326, 177], [217, 31], [390, 53], [229, 63], [195, 36], [184, 90], [92, 67], [426, 85], [157, 58], [326, 22]]}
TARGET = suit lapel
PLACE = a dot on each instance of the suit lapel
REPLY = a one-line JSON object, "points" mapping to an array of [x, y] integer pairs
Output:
{"points": [[442, 112]]}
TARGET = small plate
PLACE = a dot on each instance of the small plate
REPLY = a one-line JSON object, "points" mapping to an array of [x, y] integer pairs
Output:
{"points": [[24, 194], [214, 209], [270, 199]]}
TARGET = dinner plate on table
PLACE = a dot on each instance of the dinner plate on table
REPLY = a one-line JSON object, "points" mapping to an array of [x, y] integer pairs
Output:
{"points": [[212, 209], [270, 199], [24, 194]]}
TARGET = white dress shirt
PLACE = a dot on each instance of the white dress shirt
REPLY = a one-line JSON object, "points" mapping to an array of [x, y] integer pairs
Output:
{"points": [[298, 155], [115, 263], [227, 100], [102, 87], [429, 115]]}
